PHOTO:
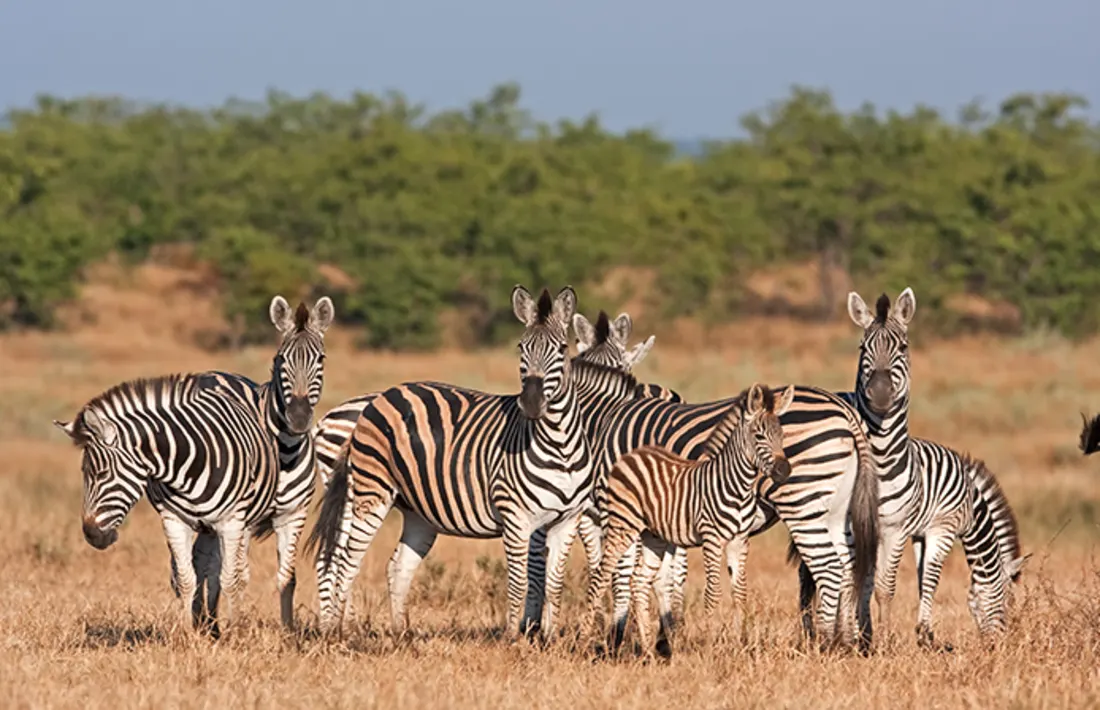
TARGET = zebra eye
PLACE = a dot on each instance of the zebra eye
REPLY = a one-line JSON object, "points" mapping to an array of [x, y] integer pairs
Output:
{"points": [[904, 347]]}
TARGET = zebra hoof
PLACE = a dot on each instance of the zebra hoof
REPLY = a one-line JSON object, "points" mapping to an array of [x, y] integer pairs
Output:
{"points": [[664, 649]]}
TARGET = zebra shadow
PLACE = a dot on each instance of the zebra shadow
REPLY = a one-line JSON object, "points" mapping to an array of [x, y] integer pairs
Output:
{"points": [[116, 635]]}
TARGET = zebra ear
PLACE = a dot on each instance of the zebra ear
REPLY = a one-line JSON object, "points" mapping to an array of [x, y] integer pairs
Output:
{"points": [[784, 401], [755, 400], [1016, 566], [68, 427], [100, 427], [322, 316], [621, 328], [523, 305], [638, 353], [282, 316], [586, 332], [858, 310], [565, 305], [905, 307]]}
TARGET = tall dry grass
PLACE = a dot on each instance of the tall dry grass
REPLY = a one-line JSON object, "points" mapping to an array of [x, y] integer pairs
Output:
{"points": [[81, 628]]}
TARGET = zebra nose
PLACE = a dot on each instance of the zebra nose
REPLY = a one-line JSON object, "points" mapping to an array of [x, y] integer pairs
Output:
{"points": [[532, 400], [96, 536], [299, 413], [781, 470]]}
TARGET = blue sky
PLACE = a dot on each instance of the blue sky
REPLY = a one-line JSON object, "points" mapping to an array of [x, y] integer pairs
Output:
{"points": [[688, 68]]}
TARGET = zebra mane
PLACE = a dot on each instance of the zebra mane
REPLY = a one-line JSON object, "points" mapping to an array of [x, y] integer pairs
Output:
{"points": [[603, 328], [882, 308], [545, 307], [301, 317], [597, 368], [722, 431], [994, 497], [132, 390]]}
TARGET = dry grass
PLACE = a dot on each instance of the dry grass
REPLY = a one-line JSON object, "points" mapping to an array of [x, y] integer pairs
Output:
{"points": [[94, 629]]}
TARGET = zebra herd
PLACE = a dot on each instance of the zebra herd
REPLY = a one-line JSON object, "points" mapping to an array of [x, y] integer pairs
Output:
{"points": [[583, 450]]}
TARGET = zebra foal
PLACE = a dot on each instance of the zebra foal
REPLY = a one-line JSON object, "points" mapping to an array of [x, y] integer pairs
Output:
{"points": [[659, 499]]}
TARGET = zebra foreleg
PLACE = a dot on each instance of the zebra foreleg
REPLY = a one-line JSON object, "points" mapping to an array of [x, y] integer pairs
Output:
{"points": [[736, 553], [559, 540], [179, 535], [641, 582], [288, 531], [931, 554], [536, 582], [516, 536], [417, 538]]}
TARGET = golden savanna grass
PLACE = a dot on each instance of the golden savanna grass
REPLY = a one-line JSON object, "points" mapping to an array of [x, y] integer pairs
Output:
{"points": [[81, 628]]}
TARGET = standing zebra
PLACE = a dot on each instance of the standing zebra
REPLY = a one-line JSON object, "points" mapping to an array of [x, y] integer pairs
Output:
{"points": [[928, 492], [285, 404], [214, 466], [200, 464], [829, 505], [655, 498], [465, 463]]}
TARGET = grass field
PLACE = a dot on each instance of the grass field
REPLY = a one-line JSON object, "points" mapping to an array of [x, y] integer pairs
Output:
{"points": [[81, 628]]}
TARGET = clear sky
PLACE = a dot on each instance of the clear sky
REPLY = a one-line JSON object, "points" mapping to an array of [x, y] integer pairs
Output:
{"points": [[688, 68]]}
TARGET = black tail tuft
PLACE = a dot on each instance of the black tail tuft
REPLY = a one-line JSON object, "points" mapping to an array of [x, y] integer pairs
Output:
{"points": [[327, 528], [263, 529], [793, 556], [1090, 435]]}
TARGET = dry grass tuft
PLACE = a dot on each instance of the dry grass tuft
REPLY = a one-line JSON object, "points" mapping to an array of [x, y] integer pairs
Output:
{"points": [[95, 629]]}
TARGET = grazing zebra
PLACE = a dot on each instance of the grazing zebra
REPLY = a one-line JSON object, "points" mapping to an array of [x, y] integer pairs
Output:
{"points": [[214, 465], [928, 492], [285, 403], [465, 463], [829, 505], [655, 498]]}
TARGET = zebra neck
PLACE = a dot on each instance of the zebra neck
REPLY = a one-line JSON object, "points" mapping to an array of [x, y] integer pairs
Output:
{"points": [[594, 402], [730, 466], [888, 436], [276, 424], [563, 414]]}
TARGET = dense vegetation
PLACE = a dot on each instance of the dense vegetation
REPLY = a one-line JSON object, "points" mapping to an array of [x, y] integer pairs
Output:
{"points": [[443, 213]]}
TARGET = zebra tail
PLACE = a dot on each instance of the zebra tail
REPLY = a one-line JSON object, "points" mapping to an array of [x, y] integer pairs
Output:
{"points": [[1090, 435], [863, 511], [327, 528], [793, 556], [263, 529]]}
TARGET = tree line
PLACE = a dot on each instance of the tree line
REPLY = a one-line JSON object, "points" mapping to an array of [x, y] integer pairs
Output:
{"points": [[433, 217]]}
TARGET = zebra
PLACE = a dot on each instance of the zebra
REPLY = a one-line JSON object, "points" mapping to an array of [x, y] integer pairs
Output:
{"points": [[602, 352], [215, 466], [464, 463], [829, 505], [1089, 442], [656, 498], [928, 493], [283, 408]]}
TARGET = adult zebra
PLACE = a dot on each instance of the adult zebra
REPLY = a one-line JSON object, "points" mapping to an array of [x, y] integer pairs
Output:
{"points": [[829, 503], [203, 447], [285, 403], [601, 375], [928, 493], [465, 463]]}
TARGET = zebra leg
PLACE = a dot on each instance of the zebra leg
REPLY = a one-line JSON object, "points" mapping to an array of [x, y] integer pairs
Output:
{"points": [[516, 536], [652, 551], [233, 546], [807, 590], [353, 539], [536, 582], [206, 556], [288, 531], [736, 552], [669, 589], [559, 540], [417, 538], [179, 544], [623, 572], [890, 548], [589, 529], [930, 558], [712, 566], [617, 541], [826, 568]]}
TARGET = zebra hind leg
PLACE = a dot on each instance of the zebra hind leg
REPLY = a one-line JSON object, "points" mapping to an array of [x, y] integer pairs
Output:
{"points": [[930, 558], [417, 538], [207, 560], [288, 531], [179, 534], [649, 562]]}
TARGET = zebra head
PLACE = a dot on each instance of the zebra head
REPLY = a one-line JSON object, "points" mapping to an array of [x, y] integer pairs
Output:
{"points": [[543, 360], [882, 382], [605, 342], [298, 372], [990, 595], [114, 476], [763, 433]]}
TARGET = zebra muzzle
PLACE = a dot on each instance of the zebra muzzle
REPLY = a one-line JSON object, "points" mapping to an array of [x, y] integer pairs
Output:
{"points": [[97, 537], [781, 470], [532, 400], [299, 414]]}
